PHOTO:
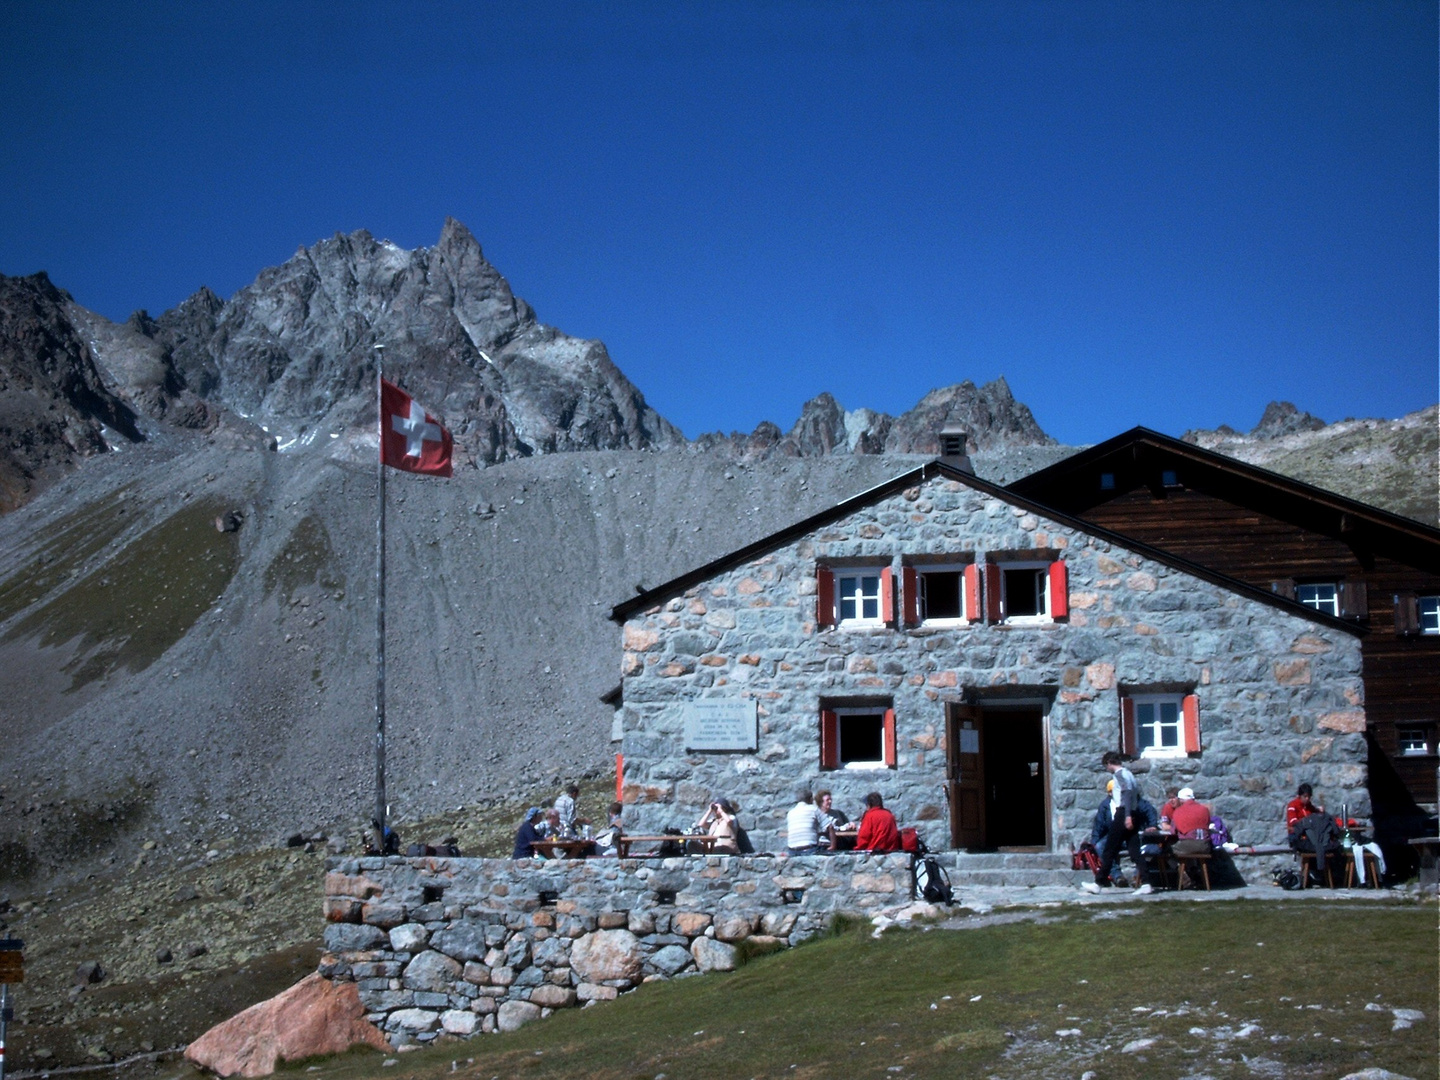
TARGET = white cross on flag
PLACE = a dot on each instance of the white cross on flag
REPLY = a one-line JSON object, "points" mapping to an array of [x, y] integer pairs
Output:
{"points": [[410, 438]]}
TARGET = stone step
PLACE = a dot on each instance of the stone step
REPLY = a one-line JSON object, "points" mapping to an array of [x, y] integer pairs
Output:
{"points": [[1014, 878], [998, 860]]}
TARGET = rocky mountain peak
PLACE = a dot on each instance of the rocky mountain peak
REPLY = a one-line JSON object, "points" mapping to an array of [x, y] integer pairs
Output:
{"points": [[1283, 418]]}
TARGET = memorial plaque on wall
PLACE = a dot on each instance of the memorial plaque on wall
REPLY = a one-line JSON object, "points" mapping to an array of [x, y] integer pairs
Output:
{"points": [[721, 724]]}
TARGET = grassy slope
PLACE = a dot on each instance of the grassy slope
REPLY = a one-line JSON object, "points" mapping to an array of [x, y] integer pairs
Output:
{"points": [[1224, 990]]}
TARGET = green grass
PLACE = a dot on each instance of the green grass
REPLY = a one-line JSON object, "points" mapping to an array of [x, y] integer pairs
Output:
{"points": [[142, 601], [1226, 990]]}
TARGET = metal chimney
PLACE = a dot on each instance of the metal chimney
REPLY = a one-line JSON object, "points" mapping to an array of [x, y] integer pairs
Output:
{"points": [[954, 442]]}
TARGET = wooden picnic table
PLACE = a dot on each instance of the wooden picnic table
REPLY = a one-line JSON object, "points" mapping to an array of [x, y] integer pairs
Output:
{"points": [[563, 848], [624, 841]]}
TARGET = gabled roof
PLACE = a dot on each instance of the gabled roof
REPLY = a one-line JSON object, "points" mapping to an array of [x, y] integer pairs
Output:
{"points": [[941, 468], [1073, 484]]}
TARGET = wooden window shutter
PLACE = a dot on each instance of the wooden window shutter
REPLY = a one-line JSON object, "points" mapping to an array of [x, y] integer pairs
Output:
{"points": [[1354, 602], [1407, 613], [1284, 587], [1129, 741], [890, 738], [1059, 590], [829, 739], [887, 596], [972, 592], [824, 597], [1190, 714], [910, 595], [992, 592]]}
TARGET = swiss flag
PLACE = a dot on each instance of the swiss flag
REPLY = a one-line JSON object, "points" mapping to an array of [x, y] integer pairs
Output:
{"points": [[410, 438]]}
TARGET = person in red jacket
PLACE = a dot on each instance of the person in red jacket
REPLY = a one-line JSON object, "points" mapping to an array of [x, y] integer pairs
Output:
{"points": [[878, 831], [1301, 807]]}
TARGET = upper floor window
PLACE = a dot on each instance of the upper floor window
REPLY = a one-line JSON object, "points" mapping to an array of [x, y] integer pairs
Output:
{"points": [[1416, 614], [1429, 612], [854, 596], [1160, 725], [1413, 741], [1321, 595], [941, 594], [1026, 592]]}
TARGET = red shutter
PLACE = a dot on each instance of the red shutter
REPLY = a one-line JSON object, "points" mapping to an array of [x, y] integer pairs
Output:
{"points": [[887, 596], [1128, 739], [824, 597], [890, 738], [1190, 710], [829, 739], [972, 592], [910, 595], [992, 592], [1059, 590]]}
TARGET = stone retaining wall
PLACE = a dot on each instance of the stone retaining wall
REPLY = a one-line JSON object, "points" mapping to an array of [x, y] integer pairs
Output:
{"points": [[463, 946]]}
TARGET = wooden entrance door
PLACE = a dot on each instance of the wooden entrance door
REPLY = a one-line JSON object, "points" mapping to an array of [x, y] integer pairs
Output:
{"points": [[965, 775]]}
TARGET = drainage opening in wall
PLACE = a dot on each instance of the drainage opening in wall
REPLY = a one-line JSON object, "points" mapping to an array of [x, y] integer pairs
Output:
{"points": [[549, 897], [792, 896], [431, 894], [665, 896]]}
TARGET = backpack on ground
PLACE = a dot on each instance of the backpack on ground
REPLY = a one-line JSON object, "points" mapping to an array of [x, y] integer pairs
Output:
{"points": [[931, 883], [1087, 858]]}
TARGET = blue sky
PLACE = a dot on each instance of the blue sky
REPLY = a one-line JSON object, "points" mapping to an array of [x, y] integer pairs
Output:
{"points": [[1160, 214]]}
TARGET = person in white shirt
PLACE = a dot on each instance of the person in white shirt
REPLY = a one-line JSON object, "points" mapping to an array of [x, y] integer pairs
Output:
{"points": [[803, 825], [565, 803]]}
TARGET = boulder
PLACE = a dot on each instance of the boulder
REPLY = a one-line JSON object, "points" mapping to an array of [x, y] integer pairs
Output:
{"points": [[671, 960], [712, 955], [514, 1015], [433, 972], [606, 955], [315, 1016]]}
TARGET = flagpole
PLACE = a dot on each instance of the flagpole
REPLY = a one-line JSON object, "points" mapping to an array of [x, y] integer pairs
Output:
{"points": [[380, 807]]}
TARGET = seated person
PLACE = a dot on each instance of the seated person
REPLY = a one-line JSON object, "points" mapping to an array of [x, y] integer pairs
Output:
{"points": [[549, 828], [878, 831], [527, 834], [719, 821], [831, 818], [565, 806], [802, 825], [1190, 818], [1301, 807], [1167, 809], [608, 842], [1192, 825]]}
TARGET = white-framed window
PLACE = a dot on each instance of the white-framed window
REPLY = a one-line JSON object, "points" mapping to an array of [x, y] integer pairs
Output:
{"points": [[942, 595], [1024, 592], [857, 597], [1414, 741], [1159, 729], [1320, 595], [858, 736], [1428, 610]]}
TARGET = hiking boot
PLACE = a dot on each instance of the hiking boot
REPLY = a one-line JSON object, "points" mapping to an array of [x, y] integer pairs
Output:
{"points": [[1122, 883]]}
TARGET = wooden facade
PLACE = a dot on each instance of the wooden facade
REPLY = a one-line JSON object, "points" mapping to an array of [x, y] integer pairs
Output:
{"points": [[1278, 533]]}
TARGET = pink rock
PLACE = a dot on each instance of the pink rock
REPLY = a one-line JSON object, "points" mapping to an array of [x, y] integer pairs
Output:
{"points": [[315, 1016]]}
